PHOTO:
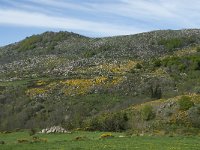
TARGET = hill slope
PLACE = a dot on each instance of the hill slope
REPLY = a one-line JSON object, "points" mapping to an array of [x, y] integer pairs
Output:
{"points": [[64, 78]]}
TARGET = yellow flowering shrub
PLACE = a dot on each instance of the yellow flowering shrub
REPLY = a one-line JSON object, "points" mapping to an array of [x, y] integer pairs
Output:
{"points": [[35, 91], [119, 68], [106, 135], [81, 86], [40, 82], [73, 86]]}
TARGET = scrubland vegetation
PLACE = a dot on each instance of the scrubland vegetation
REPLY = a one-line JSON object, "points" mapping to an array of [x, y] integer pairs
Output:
{"points": [[144, 84]]}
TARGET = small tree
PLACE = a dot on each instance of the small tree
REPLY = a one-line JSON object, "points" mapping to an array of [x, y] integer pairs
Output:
{"points": [[147, 112], [185, 103]]}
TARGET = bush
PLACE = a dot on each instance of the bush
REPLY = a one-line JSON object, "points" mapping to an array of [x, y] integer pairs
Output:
{"points": [[81, 138], [106, 135], [156, 92], [147, 113], [108, 122], [194, 115], [157, 63], [23, 140], [185, 103], [29, 43], [32, 132], [197, 65], [89, 53], [197, 89], [198, 49], [171, 43], [36, 139], [138, 66]]}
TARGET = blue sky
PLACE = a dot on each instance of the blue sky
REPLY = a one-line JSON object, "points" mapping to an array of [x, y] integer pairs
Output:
{"points": [[94, 18]]}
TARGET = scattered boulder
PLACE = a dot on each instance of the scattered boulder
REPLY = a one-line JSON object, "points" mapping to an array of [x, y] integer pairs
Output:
{"points": [[121, 136], [54, 129]]}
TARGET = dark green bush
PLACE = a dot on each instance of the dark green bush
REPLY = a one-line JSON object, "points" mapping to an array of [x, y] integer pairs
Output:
{"points": [[194, 115], [171, 43], [185, 103], [198, 49], [29, 43], [157, 63], [156, 91], [147, 113], [138, 66], [197, 89], [89, 53], [108, 122], [197, 65], [32, 132]]}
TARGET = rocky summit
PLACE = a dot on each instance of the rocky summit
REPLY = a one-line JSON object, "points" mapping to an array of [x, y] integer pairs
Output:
{"points": [[141, 83]]}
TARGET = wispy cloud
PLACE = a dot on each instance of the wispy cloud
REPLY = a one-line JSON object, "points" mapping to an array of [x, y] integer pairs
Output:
{"points": [[171, 13], [103, 17], [62, 4], [23, 18]]}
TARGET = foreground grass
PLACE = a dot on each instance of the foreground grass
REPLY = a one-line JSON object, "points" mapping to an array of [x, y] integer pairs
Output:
{"points": [[92, 141]]}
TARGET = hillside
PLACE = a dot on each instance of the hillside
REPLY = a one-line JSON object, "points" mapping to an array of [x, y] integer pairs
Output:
{"points": [[67, 79]]}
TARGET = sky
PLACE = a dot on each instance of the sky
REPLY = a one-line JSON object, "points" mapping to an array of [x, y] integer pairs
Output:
{"points": [[94, 18]]}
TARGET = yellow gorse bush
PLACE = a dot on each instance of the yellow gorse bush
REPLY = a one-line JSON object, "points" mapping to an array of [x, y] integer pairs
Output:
{"points": [[40, 82], [35, 91], [81, 86], [121, 68], [106, 135], [73, 86]]}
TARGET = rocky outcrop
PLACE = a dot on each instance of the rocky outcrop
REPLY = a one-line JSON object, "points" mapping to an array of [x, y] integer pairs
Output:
{"points": [[54, 129]]}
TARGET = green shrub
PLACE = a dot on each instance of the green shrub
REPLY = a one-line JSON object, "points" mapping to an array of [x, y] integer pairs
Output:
{"points": [[37, 139], [29, 43], [138, 66], [157, 63], [89, 53], [197, 65], [23, 140], [198, 49], [185, 103], [197, 89], [108, 122], [171, 43], [194, 115], [32, 132], [147, 113], [156, 91]]}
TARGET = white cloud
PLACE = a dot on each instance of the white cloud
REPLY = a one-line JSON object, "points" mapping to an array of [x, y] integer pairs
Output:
{"points": [[174, 13], [24, 18], [61, 4], [147, 14]]}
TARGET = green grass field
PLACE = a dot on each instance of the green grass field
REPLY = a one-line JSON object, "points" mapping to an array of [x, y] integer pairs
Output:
{"points": [[92, 141]]}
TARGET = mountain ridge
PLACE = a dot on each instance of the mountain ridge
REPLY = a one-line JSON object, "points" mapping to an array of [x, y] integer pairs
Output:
{"points": [[65, 78]]}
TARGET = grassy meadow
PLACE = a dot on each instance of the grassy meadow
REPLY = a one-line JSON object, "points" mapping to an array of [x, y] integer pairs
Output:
{"points": [[79, 140]]}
